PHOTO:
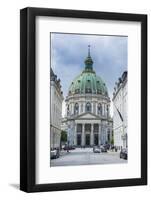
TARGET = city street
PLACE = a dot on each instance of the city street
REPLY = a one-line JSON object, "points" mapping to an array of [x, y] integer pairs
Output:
{"points": [[85, 156]]}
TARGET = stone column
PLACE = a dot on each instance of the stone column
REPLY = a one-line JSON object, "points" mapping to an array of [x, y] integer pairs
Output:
{"points": [[84, 107], [103, 109], [102, 134], [106, 133], [79, 108], [91, 136], [99, 136], [83, 135], [96, 108], [75, 135], [92, 107], [72, 108]]}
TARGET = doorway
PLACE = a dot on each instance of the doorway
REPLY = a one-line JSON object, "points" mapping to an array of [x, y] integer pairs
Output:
{"points": [[96, 139], [87, 142], [79, 139]]}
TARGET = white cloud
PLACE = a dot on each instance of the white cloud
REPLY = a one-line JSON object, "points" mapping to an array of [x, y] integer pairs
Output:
{"points": [[109, 54]]}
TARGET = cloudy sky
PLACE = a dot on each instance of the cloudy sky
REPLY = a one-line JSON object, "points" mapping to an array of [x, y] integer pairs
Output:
{"points": [[68, 52]]}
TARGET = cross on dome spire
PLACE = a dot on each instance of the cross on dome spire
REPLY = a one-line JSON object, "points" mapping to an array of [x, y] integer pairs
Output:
{"points": [[89, 50], [88, 61]]}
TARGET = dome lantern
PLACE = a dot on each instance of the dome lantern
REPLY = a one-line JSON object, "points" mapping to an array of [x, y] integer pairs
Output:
{"points": [[88, 61]]}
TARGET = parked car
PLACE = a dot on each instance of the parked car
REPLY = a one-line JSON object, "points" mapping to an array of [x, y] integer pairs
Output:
{"points": [[107, 146], [96, 149], [112, 147], [55, 153], [68, 147], [73, 147], [103, 148], [65, 147], [123, 153]]}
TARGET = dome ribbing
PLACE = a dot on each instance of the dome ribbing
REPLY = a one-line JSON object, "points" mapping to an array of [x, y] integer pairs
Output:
{"points": [[88, 82]]}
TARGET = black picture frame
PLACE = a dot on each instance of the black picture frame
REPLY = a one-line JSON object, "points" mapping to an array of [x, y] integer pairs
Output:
{"points": [[28, 99]]}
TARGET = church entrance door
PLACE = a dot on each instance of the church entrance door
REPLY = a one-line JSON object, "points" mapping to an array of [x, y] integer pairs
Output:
{"points": [[87, 142], [79, 139], [96, 139]]}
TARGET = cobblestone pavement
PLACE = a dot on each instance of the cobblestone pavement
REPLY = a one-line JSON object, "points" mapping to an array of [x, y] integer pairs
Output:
{"points": [[85, 156]]}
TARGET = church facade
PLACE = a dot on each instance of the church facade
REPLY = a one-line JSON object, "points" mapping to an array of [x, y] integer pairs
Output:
{"points": [[88, 118]]}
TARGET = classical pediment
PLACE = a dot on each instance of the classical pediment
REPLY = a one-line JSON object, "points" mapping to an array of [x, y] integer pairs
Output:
{"points": [[87, 116]]}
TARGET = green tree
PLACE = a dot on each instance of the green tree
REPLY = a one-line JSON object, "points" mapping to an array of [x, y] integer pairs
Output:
{"points": [[63, 136], [112, 138]]}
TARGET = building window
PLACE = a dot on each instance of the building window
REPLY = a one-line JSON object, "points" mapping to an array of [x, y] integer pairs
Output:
{"points": [[96, 128], [87, 127], [77, 91], [79, 128], [99, 91], [76, 109], [100, 109], [88, 107], [88, 90]]}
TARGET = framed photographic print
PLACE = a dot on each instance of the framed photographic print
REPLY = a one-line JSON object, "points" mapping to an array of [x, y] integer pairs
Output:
{"points": [[83, 99]]}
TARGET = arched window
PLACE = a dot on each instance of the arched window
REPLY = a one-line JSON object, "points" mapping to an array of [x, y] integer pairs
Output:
{"points": [[107, 109], [68, 110], [88, 90], [88, 87], [76, 109], [88, 107], [77, 91], [100, 109]]}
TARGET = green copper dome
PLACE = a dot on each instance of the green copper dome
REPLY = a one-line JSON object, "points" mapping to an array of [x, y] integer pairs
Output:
{"points": [[88, 82]]}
